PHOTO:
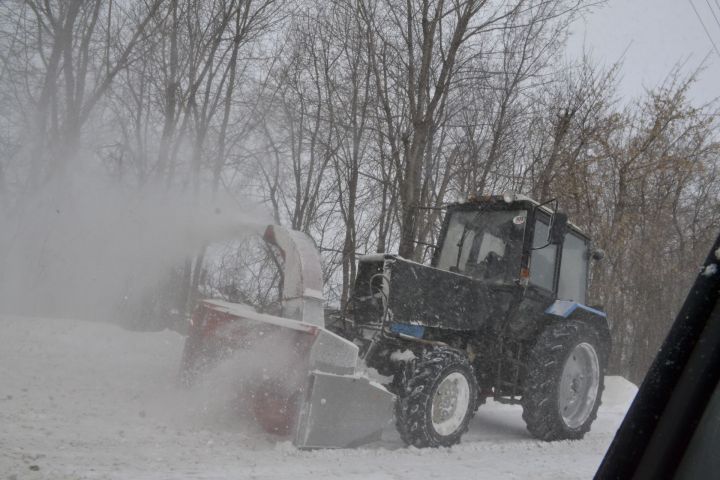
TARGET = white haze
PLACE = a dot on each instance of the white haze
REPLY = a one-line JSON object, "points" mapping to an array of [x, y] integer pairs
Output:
{"points": [[78, 252]]}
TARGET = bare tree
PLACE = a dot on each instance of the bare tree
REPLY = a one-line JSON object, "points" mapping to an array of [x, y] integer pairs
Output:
{"points": [[70, 35]]}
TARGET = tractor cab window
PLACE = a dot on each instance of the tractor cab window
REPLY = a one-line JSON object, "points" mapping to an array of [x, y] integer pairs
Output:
{"points": [[573, 269], [542, 261], [485, 245]]}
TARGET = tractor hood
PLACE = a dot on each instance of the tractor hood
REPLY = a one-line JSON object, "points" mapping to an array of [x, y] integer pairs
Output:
{"points": [[417, 294]]}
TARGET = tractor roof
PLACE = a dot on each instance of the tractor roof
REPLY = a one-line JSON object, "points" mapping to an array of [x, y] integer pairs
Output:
{"points": [[512, 198]]}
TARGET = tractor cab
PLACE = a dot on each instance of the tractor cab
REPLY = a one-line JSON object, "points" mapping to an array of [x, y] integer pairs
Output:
{"points": [[514, 240], [484, 244]]}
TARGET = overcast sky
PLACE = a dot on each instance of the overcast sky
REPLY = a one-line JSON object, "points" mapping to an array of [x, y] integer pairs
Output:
{"points": [[653, 35]]}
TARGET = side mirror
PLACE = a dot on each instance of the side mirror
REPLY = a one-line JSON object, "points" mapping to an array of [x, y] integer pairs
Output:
{"points": [[597, 254], [558, 229]]}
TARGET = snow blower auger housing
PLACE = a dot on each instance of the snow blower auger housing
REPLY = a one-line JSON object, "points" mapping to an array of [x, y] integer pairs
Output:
{"points": [[308, 385], [501, 312]]}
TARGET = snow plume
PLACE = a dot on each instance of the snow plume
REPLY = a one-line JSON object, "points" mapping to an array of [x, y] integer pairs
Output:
{"points": [[268, 363], [82, 251]]}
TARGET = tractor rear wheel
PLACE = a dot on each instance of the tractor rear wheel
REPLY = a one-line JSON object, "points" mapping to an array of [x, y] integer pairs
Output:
{"points": [[564, 382], [437, 393]]}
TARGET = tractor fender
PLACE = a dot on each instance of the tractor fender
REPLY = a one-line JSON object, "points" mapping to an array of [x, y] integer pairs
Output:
{"points": [[571, 310]]}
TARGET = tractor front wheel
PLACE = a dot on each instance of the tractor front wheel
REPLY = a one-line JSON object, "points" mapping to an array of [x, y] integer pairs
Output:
{"points": [[564, 381], [437, 393]]}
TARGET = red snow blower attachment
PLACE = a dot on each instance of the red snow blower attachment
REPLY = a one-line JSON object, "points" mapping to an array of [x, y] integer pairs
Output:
{"points": [[308, 385]]}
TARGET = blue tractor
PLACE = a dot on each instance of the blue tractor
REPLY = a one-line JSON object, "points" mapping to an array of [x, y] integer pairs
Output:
{"points": [[501, 312]]}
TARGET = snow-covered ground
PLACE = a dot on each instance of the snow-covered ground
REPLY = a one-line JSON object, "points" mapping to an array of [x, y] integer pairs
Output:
{"points": [[84, 400]]}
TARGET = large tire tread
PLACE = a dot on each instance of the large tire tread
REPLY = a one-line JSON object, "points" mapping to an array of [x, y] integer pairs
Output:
{"points": [[415, 388], [545, 365]]}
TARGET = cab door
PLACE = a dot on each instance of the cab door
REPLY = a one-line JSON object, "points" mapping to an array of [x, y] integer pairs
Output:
{"points": [[543, 264]]}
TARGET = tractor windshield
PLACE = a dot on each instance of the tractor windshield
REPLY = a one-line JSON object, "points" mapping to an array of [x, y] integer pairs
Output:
{"points": [[485, 245]]}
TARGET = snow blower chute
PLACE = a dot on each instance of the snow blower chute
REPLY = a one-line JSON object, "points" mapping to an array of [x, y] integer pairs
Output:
{"points": [[307, 385]]}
